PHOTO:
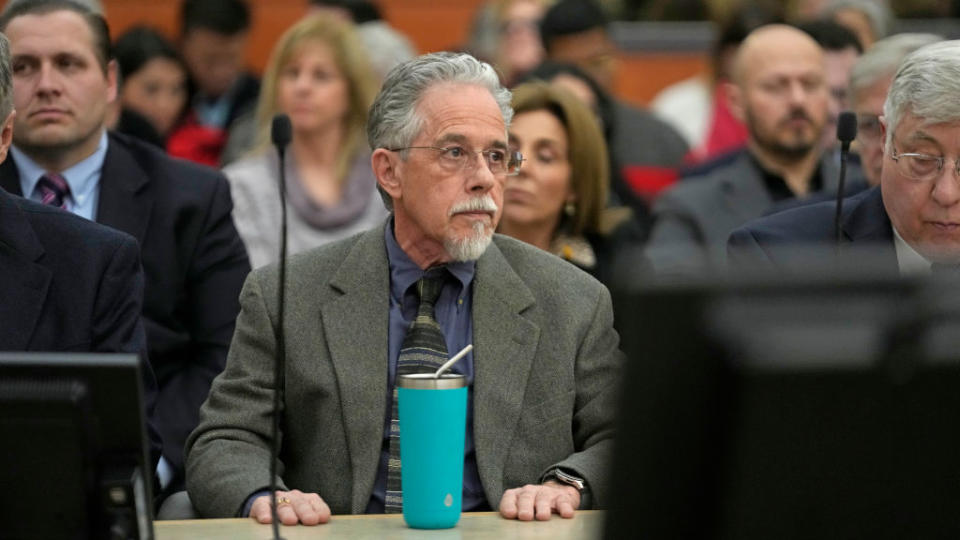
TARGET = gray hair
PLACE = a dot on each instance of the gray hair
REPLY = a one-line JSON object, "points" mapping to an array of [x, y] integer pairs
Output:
{"points": [[878, 13], [926, 85], [6, 79], [883, 59], [93, 5], [394, 122]]}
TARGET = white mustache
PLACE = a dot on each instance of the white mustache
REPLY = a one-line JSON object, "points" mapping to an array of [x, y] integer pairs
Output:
{"points": [[476, 204]]}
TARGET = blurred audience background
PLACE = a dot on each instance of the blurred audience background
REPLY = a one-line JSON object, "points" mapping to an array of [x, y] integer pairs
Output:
{"points": [[153, 85], [654, 75]]}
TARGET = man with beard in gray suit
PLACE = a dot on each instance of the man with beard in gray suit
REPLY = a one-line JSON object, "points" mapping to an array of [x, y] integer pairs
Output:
{"points": [[541, 375]]}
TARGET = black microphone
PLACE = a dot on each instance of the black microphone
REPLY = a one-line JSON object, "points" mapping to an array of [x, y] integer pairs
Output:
{"points": [[846, 133], [280, 134]]}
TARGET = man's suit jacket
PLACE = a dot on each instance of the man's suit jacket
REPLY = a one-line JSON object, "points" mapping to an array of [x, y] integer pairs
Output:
{"points": [[546, 362], [783, 242], [194, 263], [694, 218], [69, 285]]}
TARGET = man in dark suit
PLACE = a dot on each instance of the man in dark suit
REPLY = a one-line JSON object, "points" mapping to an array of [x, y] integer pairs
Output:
{"points": [[779, 91], [67, 284], [193, 259], [542, 373], [911, 221]]}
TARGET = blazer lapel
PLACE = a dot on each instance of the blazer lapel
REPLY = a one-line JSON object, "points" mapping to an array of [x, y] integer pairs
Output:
{"points": [[505, 345], [125, 201], [25, 284], [867, 224], [355, 325], [745, 194]]}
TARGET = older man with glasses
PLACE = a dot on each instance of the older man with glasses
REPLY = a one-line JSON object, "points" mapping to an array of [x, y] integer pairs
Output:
{"points": [[912, 219], [541, 375], [869, 82]]}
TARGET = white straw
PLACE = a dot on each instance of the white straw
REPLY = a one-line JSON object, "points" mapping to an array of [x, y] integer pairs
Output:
{"points": [[452, 361]]}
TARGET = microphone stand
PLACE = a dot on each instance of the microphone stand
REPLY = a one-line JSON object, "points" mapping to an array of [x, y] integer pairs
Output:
{"points": [[846, 133], [280, 135]]}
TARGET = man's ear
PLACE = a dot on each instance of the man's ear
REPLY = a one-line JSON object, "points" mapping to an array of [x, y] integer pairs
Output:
{"points": [[6, 135], [883, 135], [112, 71], [385, 164], [735, 101]]}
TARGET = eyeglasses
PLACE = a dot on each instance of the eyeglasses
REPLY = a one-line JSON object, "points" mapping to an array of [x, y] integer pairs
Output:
{"points": [[922, 167], [457, 158]]}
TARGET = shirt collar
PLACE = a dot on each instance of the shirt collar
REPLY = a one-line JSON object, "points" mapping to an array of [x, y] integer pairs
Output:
{"points": [[777, 187], [404, 272], [910, 262], [80, 176]]}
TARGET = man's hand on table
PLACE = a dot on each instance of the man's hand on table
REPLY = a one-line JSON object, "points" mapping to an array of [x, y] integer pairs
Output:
{"points": [[306, 508], [539, 501]]}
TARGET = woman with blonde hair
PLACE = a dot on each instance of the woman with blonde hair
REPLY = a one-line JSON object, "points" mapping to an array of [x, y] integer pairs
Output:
{"points": [[558, 201], [318, 75]]}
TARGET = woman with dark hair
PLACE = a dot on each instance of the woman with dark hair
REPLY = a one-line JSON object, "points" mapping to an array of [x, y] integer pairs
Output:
{"points": [[558, 201], [153, 84], [577, 82]]}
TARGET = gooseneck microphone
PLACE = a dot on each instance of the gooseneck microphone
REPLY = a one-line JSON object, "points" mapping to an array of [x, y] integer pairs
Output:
{"points": [[280, 134], [846, 133]]}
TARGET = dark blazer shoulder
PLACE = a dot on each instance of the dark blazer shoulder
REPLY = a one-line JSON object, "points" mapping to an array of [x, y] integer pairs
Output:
{"points": [[64, 231], [702, 191], [178, 175], [813, 223]]}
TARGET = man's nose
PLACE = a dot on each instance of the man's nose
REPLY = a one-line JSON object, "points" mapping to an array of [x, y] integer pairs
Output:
{"points": [[480, 177], [47, 79], [798, 94], [946, 189]]}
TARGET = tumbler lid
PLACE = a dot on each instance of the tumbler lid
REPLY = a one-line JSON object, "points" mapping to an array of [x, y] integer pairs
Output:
{"points": [[426, 381]]}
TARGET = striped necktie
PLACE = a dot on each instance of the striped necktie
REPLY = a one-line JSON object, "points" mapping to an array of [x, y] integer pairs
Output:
{"points": [[424, 349], [53, 190]]}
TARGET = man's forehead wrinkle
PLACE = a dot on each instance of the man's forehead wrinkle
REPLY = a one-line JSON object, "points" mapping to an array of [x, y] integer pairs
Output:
{"points": [[455, 129], [918, 134]]}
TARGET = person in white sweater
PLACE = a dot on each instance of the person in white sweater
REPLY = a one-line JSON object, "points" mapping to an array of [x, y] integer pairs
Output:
{"points": [[319, 75]]}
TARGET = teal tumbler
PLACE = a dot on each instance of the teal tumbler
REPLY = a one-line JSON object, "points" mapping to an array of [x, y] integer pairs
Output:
{"points": [[433, 425]]}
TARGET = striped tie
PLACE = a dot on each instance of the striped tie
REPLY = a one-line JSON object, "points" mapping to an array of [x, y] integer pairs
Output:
{"points": [[424, 349], [53, 190]]}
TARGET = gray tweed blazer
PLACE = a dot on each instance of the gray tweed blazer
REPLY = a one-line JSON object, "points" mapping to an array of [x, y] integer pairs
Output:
{"points": [[546, 362]]}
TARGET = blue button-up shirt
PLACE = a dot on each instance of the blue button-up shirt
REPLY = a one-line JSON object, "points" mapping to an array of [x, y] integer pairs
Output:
{"points": [[83, 179], [453, 312]]}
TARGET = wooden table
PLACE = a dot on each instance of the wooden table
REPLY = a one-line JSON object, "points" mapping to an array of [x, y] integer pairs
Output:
{"points": [[586, 525]]}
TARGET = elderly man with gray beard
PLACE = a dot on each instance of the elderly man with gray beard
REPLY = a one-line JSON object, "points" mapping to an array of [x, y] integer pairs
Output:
{"points": [[541, 375]]}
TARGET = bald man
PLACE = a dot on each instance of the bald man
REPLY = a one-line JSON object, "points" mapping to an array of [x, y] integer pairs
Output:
{"points": [[779, 91]]}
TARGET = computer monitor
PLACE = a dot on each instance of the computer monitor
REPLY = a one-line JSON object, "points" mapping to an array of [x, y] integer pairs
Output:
{"points": [[73, 452], [795, 408]]}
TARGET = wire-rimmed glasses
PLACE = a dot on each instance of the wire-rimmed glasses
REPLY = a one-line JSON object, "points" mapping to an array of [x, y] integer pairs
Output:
{"points": [[454, 158], [921, 167]]}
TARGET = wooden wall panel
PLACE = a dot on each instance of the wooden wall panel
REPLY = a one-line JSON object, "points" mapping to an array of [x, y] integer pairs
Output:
{"points": [[432, 25], [641, 75]]}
